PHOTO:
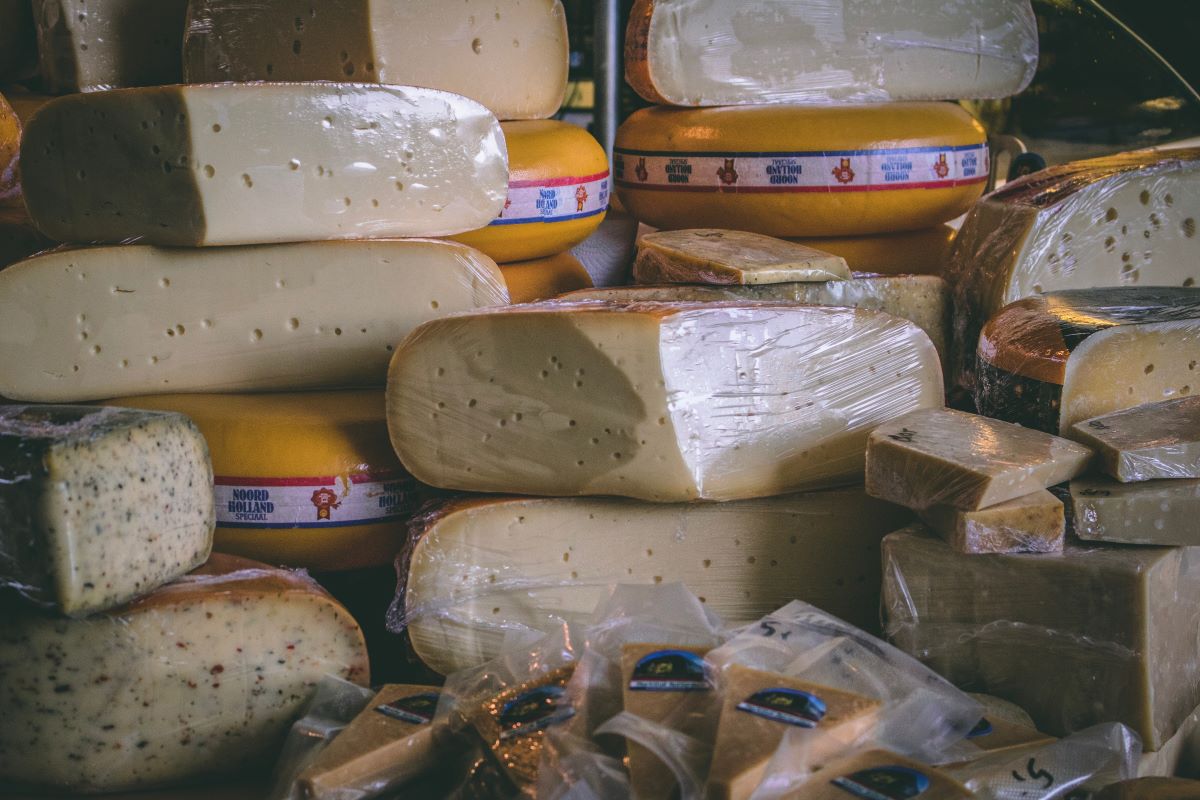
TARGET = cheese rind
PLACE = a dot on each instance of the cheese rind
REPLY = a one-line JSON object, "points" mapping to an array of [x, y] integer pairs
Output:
{"points": [[733, 52], [510, 56], [1033, 523], [201, 677], [919, 252], [721, 257], [940, 456], [103, 322], [1157, 440], [98, 506], [663, 402], [1165, 512], [226, 164], [544, 278]]}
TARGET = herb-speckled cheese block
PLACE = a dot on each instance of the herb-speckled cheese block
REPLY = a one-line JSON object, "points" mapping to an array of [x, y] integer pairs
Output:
{"points": [[201, 677], [721, 257], [1154, 441], [224, 164], [98, 506], [1033, 523], [1164, 512]]}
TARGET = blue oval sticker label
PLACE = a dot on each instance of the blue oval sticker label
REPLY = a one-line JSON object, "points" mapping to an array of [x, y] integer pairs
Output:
{"points": [[669, 671], [790, 706], [533, 711], [982, 728], [884, 783], [417, 709]]}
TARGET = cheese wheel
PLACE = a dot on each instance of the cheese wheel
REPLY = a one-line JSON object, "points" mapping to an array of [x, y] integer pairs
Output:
{"points": [[558, 189], [10, 150], [19, 237], [544, 278], [304, 479], [919, 252], [801, 171]]}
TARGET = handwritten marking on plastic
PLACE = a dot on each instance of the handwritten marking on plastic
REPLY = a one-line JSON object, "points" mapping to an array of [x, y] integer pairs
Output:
{"points": [[1034, 774], [768, 630], [1096, 493], [905, 435], [1098, 425]]}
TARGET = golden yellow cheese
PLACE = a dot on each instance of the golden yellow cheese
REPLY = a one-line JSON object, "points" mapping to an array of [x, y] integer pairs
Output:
{"points": [[10, 150], [919, 252], [847, 170], [558, 188], [543, 278]]}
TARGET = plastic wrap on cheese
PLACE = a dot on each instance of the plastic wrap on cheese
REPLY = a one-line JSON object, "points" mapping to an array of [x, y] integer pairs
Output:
{"points": [[1125, 220], [1155, 441], [734, 52], [1059, 358], [200, 677]]}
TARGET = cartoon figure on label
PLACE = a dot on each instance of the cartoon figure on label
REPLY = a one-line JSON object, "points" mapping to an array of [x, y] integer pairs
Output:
{"points": [[727, 173], [325, 499], [640, 170], [507, 205], [581, 197], [843, 172], [941, 168]]}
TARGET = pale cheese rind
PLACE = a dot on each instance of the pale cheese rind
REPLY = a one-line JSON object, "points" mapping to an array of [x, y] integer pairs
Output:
{"points": [[722, 257], [1163, 512], [1153, 441], [1033, 523]]}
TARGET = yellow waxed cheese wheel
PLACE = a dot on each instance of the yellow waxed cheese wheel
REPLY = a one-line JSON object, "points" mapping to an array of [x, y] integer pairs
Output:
{"points": [[846, 170], [544, 278], [10, 150], [919, 252]]}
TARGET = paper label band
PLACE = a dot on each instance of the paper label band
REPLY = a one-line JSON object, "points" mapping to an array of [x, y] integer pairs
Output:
{"points": [[833, 171], [555, 199], [321, 502]]}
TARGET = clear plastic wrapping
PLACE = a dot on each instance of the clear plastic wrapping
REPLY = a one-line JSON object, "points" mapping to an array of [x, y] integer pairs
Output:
{"points": [[1149, 442], [724, 257]]}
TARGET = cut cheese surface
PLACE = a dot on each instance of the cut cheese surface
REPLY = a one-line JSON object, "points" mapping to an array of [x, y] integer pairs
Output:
{"points": [[303, 479], [509, 55], [482, 567], [1164, 512], [544, 278], [1123, 220], [1051, 361], [1032, 523], [98, 506], [558, 190], [201, 677], [735, 52], [722, 257], [94, 45], [268, 162], [801, 171], [1157, 440], [659, 401], [103, 322], [919, 252]]}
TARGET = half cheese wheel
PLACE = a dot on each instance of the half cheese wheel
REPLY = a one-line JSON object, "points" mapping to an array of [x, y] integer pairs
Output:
{"points": [[544, 278]]}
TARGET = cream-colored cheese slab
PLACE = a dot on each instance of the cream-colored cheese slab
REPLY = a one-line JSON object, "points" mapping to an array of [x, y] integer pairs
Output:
{"points": [[201, 677], [228, 164], [510, 55], [94, 323], [1033, 523], [658, 401], [721, 257], [98, 506], [941, 456], [1165, 512], [1144, 443]]}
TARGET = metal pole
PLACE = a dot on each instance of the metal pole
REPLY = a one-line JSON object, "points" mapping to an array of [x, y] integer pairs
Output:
{"points": [[607, 60]]}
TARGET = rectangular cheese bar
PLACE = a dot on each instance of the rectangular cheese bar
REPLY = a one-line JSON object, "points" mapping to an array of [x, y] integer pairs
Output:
{"points": [[1033, 523], [659, 401], [879, 775], [1121, 627], [94, 45], [940, 456], [98, 506], [1165, 512], [201, 677], [721, 257], [511, 56], [1157, 440], [228, 164], [103, 322]]}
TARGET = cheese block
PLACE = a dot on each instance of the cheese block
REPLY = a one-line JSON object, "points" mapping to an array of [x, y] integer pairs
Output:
{"points": [[879, 775], [558, 188], [1152, 789], [201, 677], [734, 52], [1032, 523], [94, 45], [1157, 440], [721, 257], [131, 319], [1122, 220], [1120, 625], [801, 171], [919, 252], [1050, 361], [941, 456], [305, 479], [509, 55], [390, 742], [18, 41], [921, 299], [19, 237], [759, 708], [994, 734], [98, 506], [1165, 512], [1179, 755], [10, 151], [481, 567], [270, 162], [544, 278]]}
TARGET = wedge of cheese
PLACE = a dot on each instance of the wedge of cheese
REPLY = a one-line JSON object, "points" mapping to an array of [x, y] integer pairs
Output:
{"points": [[481, 567], [1050, 361], [268, 162], [1164, 512], [919, 252], [1157, 440], [1123, 220], [201, 677], [734, 52], [98, 506], [659, 401], [110, 321], [510, 55], [1032, 523], [94, 45], [722, 257], [544, 278]]}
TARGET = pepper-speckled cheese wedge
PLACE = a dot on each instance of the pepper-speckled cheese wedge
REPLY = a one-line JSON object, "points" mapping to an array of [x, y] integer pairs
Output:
{"points": [[1157, 440], [98, 506], [721, 257], [1032, 523], [201, 677]]}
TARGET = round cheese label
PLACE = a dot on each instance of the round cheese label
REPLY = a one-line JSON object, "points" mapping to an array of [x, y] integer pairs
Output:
{"points": [[318, 502], [669, 671], [533, 711], [790, 706], [554, 199], [883, 783]]}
